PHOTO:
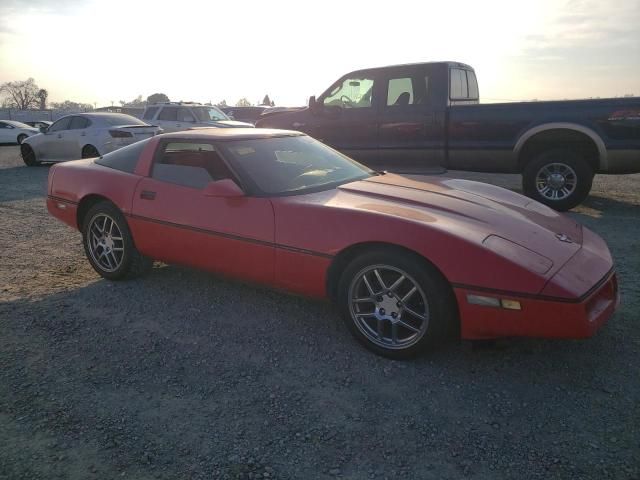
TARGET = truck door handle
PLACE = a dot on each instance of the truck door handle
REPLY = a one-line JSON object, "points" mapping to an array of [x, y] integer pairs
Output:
{"points": [[147, 195]]}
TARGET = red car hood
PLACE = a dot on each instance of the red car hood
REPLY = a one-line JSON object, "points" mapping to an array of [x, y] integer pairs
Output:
{"points": [[475, 210]]}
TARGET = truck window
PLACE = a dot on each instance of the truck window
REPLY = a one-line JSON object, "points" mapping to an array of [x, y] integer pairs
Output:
{"points": [[407, 91], [351, 93], [473, 85], [168, 113], [150, 113], [458, 89]]}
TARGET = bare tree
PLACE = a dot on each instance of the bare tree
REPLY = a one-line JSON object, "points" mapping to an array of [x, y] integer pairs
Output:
{"points": [[243, 102], [71, 106], [42, 97], [22, 94]]}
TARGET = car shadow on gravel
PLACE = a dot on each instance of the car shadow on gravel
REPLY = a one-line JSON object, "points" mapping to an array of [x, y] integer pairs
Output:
{"points": [[181, 373]]}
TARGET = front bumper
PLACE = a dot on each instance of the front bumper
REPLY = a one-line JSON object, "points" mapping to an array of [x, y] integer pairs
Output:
{"points": [[539, 316]]}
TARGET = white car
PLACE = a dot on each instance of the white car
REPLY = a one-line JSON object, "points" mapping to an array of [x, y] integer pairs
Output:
{"points": [[15, 132], [85, 135], [177, 116]]}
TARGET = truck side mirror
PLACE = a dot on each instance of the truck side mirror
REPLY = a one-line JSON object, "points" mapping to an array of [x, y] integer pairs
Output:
{"points": [[313, 103]]}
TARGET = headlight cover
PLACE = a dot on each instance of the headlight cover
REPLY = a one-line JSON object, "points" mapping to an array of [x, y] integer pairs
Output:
{"points": [[518, 254]]}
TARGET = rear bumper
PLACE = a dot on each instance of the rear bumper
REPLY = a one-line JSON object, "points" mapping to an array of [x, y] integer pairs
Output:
{"points": [[63, 209], [539, 316]]}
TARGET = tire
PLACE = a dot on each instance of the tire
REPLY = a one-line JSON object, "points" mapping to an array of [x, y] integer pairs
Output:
{"points": [[89, 151], [28, 155], [112, 255], [372, 324], [21, 138], [572, 184]]}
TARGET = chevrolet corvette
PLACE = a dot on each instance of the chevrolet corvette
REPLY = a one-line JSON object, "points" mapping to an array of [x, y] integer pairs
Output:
{"points": [[407, 262]]}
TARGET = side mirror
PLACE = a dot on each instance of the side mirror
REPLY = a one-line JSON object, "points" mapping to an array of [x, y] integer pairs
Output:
{"points": [[43, 129], [313, 103], [225, 188]]}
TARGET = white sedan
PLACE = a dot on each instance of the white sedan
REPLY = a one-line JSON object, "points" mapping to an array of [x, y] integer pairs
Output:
{"points": [[85, 135], [15, 132]]}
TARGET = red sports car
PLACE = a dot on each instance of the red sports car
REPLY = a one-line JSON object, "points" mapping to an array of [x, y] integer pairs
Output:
{"points": [[405, 261]]}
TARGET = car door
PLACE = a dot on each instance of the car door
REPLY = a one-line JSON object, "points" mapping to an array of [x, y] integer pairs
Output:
{"points": [[174, 221], [411, 122], [7, 133], [346, 117], [73, 139], [168, 119], [50, 146]]}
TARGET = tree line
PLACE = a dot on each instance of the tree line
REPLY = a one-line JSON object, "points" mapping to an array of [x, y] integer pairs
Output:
{"points": [[27, 95]]}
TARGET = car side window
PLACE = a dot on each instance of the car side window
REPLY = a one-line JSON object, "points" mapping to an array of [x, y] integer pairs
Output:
{"points": [[405, 91], [351, 93], [150, 113], [189, 164], [78, 123], [168, 113], [184, 115], [4, 125], [62, 124]]}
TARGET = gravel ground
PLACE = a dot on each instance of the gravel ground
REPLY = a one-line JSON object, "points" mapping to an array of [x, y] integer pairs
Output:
{"points": [[184, 375]]}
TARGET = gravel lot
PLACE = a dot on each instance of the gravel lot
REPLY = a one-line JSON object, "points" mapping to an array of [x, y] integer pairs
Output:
{"points": [[184, 375]]}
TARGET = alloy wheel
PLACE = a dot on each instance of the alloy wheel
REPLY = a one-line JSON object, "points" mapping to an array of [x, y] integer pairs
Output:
{"points": [[556, 181], [388, 306], [105, 242]]}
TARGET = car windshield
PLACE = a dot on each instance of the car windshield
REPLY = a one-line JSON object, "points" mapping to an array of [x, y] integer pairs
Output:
{"points": [[289, 165], [122, 119], [208, 114]]}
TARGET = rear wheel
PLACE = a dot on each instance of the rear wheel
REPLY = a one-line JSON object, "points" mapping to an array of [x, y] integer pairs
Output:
{"points": [[559, 178], [89, 151], [21, 138], [394, 303], [28, 155], [109, 246]]}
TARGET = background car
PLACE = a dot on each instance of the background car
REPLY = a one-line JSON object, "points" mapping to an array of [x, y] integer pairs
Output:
{"points": [[15, 132], [39, 124], [85, 135], [405, 261], [245, 114], [177, 116]]}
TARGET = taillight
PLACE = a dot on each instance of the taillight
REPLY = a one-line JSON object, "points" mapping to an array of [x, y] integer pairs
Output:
{"points": [[120, 134]]}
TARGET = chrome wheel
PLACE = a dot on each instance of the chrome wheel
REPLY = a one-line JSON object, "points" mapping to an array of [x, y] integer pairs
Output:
{"points": [[388, 306], [105, 242], [556, 181]]}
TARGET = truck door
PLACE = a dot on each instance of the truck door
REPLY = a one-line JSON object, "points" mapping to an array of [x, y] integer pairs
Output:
{"points": [[411, 120], [347, 117]]}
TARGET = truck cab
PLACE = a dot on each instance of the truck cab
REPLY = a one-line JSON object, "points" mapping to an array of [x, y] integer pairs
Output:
{"points": [[397, 112]]}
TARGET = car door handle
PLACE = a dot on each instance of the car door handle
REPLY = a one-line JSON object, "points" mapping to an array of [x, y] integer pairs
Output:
{"points": [[147, 195], [59, 135], [83, 134]]}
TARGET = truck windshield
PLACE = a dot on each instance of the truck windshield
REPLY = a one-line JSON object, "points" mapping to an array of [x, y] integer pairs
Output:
{"points": [[209, 114], [292, 165]]}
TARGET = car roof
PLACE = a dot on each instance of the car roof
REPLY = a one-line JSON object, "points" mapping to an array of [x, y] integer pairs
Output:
{"points": [[416, 64], [228, 134]]}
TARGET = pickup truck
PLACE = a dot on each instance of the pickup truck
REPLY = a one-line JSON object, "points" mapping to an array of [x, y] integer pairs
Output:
{"points": [[412, 118]]}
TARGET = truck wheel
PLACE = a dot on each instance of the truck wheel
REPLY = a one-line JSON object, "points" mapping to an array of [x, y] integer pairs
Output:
{"points": [[559, 178]]}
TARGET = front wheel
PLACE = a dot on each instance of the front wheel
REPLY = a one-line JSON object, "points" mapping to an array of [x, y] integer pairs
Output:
{"points": [[559, 178], [394, 303], [109, 245], [28, 155]]}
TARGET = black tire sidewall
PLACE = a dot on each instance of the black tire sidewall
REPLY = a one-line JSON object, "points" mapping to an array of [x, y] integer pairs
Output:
{"points": [[129, 249], [442, 310], [583, 170], [32, 163], [21, 138]]}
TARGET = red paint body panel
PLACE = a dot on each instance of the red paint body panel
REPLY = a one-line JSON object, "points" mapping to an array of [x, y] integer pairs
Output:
{"points": [[559, 271], [539, 318]]}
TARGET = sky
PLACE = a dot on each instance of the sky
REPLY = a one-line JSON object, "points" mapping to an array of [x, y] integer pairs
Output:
{"points": [[101, 52]]}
